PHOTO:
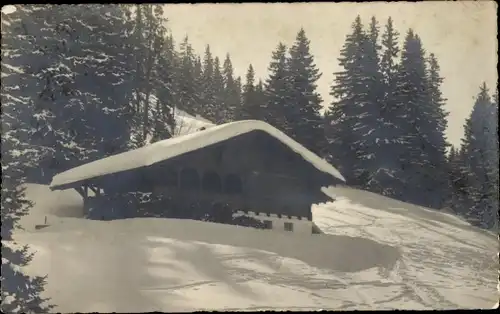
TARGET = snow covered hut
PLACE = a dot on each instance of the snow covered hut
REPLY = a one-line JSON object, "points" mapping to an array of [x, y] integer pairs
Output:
{"points": [[245, 167]]}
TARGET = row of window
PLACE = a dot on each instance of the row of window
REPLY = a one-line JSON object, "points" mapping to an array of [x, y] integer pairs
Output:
{"points": [[287, 225], [190, 179], [285, 209]]}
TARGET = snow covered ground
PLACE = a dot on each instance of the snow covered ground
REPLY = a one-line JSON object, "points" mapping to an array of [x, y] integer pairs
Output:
{"points": [[186, 123], [376, 253]]}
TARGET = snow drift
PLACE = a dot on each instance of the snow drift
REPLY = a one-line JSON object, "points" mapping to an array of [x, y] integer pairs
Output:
{"points": [[376, 253]]}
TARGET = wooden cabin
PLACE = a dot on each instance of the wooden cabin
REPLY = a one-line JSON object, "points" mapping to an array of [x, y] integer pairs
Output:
{"points": [[245, 168]]}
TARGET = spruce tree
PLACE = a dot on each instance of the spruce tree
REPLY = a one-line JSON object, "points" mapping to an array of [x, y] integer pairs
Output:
{"points": [[419, 155], [250, 108], [384, 179], [20, 292], [276, 90], [388, 61], [166, 92], [481, 160], [148, 33], [372, 127], [303, 116], [436, 136], [260, 97], [350, 110], [187, 98], [79, 75], [459, 181], [207, 96], [232, 93], [218, 114]]}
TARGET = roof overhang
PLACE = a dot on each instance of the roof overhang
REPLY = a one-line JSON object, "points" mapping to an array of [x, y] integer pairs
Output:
{"points": [[167, 149]]}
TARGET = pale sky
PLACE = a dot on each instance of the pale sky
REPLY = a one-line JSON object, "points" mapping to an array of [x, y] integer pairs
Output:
{"points": [[461, 34]]}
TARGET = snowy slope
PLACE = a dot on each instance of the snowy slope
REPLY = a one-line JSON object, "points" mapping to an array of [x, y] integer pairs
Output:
{"points": [[186, 123], [377, 254]]}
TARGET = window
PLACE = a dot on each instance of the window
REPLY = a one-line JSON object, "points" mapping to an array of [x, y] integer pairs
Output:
{"points": [[211, 182], [268, 224], [189, 179], [232, 184], [288, 226]]}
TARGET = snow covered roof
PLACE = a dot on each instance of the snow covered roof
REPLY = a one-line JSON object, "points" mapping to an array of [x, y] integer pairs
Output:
{"points": [[166, 149]]}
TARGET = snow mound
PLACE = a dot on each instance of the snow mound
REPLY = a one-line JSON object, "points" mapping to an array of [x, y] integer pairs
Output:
{"points": [[376, 254]]}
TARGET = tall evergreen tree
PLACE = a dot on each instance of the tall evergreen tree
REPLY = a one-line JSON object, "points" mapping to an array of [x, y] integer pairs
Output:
{"points": [[459, 180], [372, 128], [78, 67], [20, 292], [239, 88], [166, 92], [148, 31], [481, 160], [232, 93], [207, 96], [303, 112], [388, 61], [276, 89], [420, 119], [188, 98], [350, 116], [260, 98], [250, 108], [217, 116], [384, 180], [436, 135]]}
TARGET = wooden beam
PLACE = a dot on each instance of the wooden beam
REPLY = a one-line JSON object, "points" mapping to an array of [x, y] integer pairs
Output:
{"points": [[96, 190], [85, 191], [80, 191]]}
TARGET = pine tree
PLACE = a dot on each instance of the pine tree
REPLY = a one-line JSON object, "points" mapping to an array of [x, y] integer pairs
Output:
{"points": [[148, 32], [80, 81], [384, 179], [388, 63], [250, 108], [372, 127], [412, 107], [188, 99], [218, 114], [436, 134], [458, 176], [166, 92], [239, 89], [305, 124], [207, 96], [276, 89], [481, 160], [260, 97], [20, 292], [350, 110], [232, 93]]}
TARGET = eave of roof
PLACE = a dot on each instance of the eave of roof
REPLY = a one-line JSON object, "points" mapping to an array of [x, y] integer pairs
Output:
{"points": [[166, 149]]}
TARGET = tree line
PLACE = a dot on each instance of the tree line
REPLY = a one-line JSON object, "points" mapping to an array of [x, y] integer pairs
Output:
{"points": [[82, 82]]}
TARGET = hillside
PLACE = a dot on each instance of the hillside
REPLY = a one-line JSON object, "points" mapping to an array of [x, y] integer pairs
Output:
{"points": [[376, 253]]}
